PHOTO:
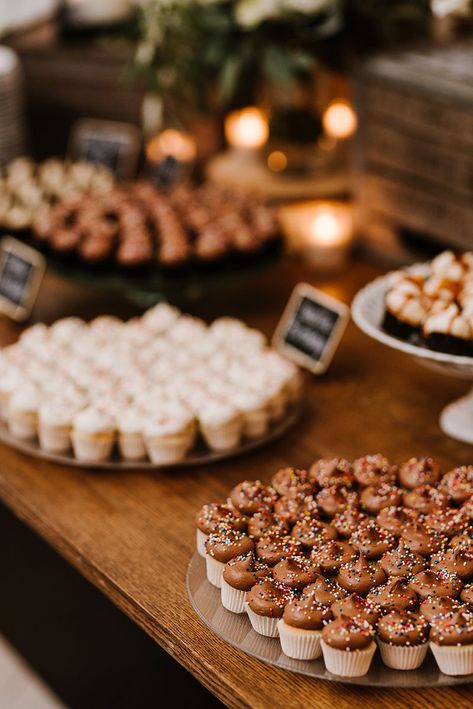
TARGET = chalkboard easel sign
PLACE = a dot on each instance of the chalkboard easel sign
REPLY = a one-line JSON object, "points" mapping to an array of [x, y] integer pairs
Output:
{"points": [[21, 273], [114, 144], [311, 328]]}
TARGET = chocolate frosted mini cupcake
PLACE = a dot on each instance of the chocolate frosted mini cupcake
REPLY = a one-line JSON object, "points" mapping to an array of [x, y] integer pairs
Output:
{"points": [[333, 500], [348, 646], [265, 604], [295, 506], [467, 595], [222, 546], [335, 471], [287, 480], [239, 576], [421, 539], [310, 532], [296, 572], [300, 628], [425, 499], [373, 470], [449, 522], [325, 591], [211, 517], [395, 519], [360, 576], [419, 471], [393, 596], [463, 540], [348, 521], [275, 548], [402, 639], [438, 606], [331, 555], [435, 583], [402, 562], [372, 541], [458, 484], [455, 561], [451, 642], [355, 606], [265, 523], [374, 498], [252, 496]]}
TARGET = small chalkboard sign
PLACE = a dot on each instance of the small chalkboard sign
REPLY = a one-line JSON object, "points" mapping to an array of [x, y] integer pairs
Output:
{"points": [[113, 144], [311, 328], [21, 273]]}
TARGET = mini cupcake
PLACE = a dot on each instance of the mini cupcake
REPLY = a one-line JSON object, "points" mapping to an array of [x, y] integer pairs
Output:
{"points": [[372, 541], [326, 591], [360, 576], [221, 425], [451, 642], [250, 496], [438, 606], [131, 441], [435, 583], [348, 646], [402, 562], [93, 435], [273, 549], [402, 639], [22, 413], [355, 606], [425, 499], [310, 532], [348, 521], [331, 555], [222, 546], [447, 522], [467, 595], [265, 523], [211, 517], [300, 628], [373, 470], [329, 472], [239, 576], [332, 500], [296, 572], [405, 306], [422, 540], [289, 480], [265, 604], [374, 498], [169, 435], [458, 484], [55, 421], [393, 596], [395, 519], [295, 506], [455, 561], [254, 413], [419, 471]]}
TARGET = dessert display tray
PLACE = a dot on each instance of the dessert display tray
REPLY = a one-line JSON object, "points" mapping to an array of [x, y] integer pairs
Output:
{"points": [[200, 454], [236, 630], [456, 420]]}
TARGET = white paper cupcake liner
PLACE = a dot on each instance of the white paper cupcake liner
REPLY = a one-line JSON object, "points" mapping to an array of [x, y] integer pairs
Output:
{"points": [[232, 598], [22, 425], [90, 448], [200, 539], [263, 624], [453, 659], [224, 437], [164, 450], [352, 663], [132, 446], [255, 423], [214, 571], [403, 657], [298, 643], [54, 439]]}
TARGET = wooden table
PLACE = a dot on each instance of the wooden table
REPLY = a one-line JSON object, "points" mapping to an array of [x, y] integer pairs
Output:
{"points": [[132, 534]]}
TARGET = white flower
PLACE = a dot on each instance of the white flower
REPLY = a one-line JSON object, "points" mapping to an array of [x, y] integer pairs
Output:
{"points": [[308, 7], [442, 8], [250, 13]]}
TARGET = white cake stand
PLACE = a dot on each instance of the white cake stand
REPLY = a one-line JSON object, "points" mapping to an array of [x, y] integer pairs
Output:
{"points": [[456, 420]]}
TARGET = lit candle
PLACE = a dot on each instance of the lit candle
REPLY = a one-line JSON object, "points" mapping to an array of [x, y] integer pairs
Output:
{"points": [[247, 129], [322, 231], [339, 120], [170, 154]]}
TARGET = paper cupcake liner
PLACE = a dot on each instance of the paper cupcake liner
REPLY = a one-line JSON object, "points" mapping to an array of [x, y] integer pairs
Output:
{"points": [[132, 446], [453, 659], [298, 643], [262, 624], [90, 448], [353, 663], [214, 571], [224, 437], [164, 450], [277, 406], [55, 439], [200, 539], [255, 423], [232, 598], [403, 657], [22, 426]]}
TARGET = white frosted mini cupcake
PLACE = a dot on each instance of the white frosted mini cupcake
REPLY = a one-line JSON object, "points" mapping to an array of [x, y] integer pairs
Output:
{"points": [[169, 435], [254, 412], [93, 435], [221, 425], [22, 413], [160, 318], [10, 380], [348, 646], [300, 628], [130, 434], [402, 639], [55, 421]]}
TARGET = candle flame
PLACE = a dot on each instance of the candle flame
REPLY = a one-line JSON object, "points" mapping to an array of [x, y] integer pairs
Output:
{"points": [[247, 128], [339, 120]]}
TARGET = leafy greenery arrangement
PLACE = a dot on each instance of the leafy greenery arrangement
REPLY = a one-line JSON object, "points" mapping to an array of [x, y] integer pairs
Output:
{"points": [[206, 54]]}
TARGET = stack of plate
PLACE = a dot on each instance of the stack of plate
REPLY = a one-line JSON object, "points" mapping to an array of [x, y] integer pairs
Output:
{"points": [[12, 124]]}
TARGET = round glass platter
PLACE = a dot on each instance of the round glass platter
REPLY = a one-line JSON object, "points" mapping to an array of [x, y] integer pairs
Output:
{"points": [[199, 455], [237, 631]]}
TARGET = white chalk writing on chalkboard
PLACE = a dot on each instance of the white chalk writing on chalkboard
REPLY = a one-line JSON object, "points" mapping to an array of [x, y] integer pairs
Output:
{"points": [[21, 272]]}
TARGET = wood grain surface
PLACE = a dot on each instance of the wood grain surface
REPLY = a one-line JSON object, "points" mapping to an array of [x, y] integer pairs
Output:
{"points": [[132, 534]]}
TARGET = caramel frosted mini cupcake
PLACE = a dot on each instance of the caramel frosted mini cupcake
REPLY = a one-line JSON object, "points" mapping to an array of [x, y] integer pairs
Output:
{"points": [[395, 595], [360, 576], [374, 470], [239, 576], [213, 516], [348, 646], [296, 572], [402, 639], [419, 471], [93, 435], [265, 604], [435, 583], [300, 628], [451, 642], [355, 606], [222, 546]]}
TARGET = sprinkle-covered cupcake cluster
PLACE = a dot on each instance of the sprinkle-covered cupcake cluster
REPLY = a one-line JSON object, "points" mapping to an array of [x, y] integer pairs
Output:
{"points": [[349, 553], [149, 385]]}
